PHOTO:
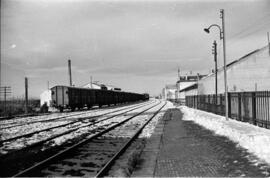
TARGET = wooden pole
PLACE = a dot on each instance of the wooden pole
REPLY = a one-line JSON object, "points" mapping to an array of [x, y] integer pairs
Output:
{"points": [[69, 72], [268, 42], [5, 98], [26, 95], [222, 13], [215, 59], [91, 80]]}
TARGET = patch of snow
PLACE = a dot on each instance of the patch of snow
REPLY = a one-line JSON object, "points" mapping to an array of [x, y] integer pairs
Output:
{"points": [[253, 138], [28, 128], [149, 129]]}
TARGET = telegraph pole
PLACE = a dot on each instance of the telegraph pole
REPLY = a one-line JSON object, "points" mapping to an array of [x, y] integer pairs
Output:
{"points": [[222, 37], [215, 59], [268, 42], [69, 72], [178, 85], [91, 81], [26, 95], [222, 16]]}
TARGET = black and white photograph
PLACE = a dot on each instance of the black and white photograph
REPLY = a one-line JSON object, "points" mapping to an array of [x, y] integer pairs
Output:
{"points": [[135, 88]]}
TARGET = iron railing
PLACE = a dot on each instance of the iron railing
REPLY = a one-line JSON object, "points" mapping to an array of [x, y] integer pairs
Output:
{"points": [[252, 107]]}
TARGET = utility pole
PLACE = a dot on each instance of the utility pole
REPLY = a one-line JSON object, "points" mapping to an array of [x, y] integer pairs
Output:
{"points": [[222, 16], [214, 52], [0, 73], [178, 85], [91, 81], [222, 37], [69, 72], [26, 95], [178, 73], [268, 42], [48, 85]]}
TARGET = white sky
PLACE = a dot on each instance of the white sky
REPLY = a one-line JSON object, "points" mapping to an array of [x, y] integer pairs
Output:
{"points": [[135, 45]]}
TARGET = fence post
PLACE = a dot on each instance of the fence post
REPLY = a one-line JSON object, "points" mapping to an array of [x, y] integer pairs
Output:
{"points": [[239, 107], [222, 105], [26, 95], [229, 105], [254, 108]]}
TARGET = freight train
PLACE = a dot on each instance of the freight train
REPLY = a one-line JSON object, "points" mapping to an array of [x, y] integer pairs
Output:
{"points": [[73, 97]]}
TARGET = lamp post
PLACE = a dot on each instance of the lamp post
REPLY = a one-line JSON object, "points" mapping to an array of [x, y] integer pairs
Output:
{"points": [[222, 37]]}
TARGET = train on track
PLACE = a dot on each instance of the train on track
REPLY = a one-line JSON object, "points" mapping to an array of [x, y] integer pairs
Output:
{"points": [[74, 97]]}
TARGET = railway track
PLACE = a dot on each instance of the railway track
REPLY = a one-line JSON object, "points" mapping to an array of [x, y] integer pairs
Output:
{"points": [[39, 144], [93, 146], [70, 122], [63, 115], [50, 134]]}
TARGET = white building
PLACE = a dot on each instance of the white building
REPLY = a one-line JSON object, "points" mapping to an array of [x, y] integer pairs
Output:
{"points": [[100, 86], [184, 86], [249, 73], [93, 86], [168, 92], [46, 97]]}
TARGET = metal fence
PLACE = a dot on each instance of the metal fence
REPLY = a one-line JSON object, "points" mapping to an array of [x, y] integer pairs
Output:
{"points": [[252, 107]]}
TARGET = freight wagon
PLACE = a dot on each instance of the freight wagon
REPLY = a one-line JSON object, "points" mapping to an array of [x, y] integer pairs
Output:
{"points": [[73, 97]]}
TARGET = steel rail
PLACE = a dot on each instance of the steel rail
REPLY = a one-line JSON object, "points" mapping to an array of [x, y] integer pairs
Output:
{"points": [[67, 150], [63, 125], [56, 118], [108, 165], [67, 132]]}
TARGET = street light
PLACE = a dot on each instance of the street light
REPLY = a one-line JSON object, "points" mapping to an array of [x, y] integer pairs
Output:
{"points": [[207, 30], [222, 37]]}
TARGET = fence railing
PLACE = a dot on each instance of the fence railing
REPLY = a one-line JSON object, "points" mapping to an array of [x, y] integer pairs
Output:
{"points": [[252, 107]]}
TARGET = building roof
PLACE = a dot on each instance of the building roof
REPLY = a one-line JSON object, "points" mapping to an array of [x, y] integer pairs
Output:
{"points": [[190, 87], [190, 78], [245, 57], [170, 86]]}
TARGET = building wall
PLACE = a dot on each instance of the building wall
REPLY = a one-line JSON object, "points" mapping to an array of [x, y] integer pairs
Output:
{"points": [[168, 93], [191, 92], [46, 97], [183, 85], [251, 73], [94, 86], [171, 93]]}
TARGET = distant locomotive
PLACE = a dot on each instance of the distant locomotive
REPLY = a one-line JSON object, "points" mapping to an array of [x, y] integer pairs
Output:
{"points": [[74, 97]]}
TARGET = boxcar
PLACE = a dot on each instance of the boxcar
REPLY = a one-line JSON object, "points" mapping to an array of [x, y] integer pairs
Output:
{"points": [[74, 97]]}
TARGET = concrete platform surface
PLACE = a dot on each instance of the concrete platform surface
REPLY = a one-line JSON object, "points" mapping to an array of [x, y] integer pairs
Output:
{"points": [[183, 149]]}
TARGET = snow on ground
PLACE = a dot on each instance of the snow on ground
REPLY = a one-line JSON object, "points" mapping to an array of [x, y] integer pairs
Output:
{"points": [[53, 116], [253, 138], [70, 118], [149, 129], [23, 142], [92, 129], [128, 129]]}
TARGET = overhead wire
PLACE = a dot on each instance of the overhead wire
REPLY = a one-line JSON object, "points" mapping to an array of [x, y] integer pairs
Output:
{"points": [[250, 26]]}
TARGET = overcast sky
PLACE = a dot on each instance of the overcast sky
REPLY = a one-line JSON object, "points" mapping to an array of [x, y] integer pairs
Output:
{"points": [[135, 45]]}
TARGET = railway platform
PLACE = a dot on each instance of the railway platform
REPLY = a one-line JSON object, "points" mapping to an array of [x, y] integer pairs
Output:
{"points": [[181, 148]]}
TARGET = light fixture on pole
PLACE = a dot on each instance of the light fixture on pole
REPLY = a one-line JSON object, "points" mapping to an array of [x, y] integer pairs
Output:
{"points": [[222, 37]]}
